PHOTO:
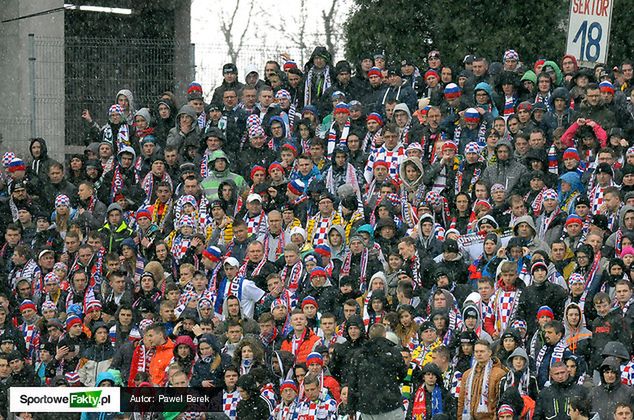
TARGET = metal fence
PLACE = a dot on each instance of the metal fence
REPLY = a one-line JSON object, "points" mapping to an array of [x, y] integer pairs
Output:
{"points": [[210, 58], [73, 74]]}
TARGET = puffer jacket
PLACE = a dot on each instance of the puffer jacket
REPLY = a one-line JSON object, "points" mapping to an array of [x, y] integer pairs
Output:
{"points": [[605, 396], [554, 398]]}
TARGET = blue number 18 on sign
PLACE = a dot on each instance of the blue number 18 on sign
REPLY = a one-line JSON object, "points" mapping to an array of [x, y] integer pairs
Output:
{"points": [[590, 40]]}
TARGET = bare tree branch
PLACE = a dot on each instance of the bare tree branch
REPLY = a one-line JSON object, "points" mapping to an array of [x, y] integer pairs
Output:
{"points": [[329, 27], [226, 27]]}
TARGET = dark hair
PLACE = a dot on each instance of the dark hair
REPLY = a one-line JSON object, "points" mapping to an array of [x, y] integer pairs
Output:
{"points": [[556, 325], [582, 405]]}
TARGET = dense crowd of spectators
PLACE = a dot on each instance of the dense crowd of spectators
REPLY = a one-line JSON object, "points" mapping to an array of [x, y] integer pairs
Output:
{"points": [[372, 240]]}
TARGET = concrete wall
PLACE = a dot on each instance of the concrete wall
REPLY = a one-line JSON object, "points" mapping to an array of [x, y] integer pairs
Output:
{"points": [[15, 121]]}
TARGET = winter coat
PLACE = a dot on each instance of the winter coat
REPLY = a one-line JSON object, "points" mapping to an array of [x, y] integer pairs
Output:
{"points": [[113, 236], [255, 408], [376, 374], [495, 377], [214, 178], [160, 361], [96, 359], [536, 295], [506, 172], [344, 353], [181, 140], [553, 400], [599, 113], [611, 327], [37, 171], [604, 397], [213, 369], [307, 345], [448, 401]]}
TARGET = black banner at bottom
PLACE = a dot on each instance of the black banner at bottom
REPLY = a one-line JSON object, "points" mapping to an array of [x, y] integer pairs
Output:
{"points": [[151, 399]]}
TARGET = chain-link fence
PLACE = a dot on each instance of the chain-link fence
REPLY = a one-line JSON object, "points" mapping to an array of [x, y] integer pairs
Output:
{"points": [[74, 74], [210, 58]]}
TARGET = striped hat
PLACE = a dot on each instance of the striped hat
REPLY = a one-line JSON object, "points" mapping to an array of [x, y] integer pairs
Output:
{"points": [[16, 164], [576, 278], [342, 108], [62, 200], [49, 305], [606, 86], [144, 212], [545, 311], [551, 194], [92, 306], [309, 300], [213, 253], [571, 153], [7, 158], [505, 409], [288, 384], [318, 272], [72, 320], [375, 116], [72, 378], [296, 186], [323, 250], [279, 302], [375, 71], [452, 91], [27, 304], [290, 64], [115, 109], [283, 94], [472, 147], [194, 87], [314, 357], [471, 115], [204, 303]]}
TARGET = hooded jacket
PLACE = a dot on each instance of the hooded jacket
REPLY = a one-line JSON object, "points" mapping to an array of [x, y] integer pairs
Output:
{"points": [[577, 338], [211, 184], [605, 396], [568, 116], [376, 374], [181, 140], [523, 379], [96, 358], [507, 172], [412, 187], [131, 104], [39, 166], [611, 241], [533, 243], [340, 366]]}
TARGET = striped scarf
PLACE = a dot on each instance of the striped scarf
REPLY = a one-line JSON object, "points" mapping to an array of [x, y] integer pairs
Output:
{"points": [[255, 224], [419, 405], [553, 165], [345, 268], [537, 203], [483, 403], [145, 358], [556, 356], [148, 185], [323, 82], [292, 276], [509, 105], [332, 136]]}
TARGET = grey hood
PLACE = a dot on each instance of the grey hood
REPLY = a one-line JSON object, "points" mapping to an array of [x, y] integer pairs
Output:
{"points": [[524, 219], [128, 94], [403, 107], [519, 351], [411, 186], [145, 114]]}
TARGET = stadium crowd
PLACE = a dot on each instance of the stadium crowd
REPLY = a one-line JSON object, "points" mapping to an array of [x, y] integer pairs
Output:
{"points": [[375, 240]]}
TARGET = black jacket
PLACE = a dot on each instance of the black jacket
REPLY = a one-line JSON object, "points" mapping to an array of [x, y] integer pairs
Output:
{"points": [[612, 327], [552, 401], [376, 374], [536, 295], [326, 296]]}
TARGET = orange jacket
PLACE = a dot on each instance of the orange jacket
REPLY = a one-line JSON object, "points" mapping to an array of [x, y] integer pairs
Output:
{"points": [[308, 342], [160, 362]]}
